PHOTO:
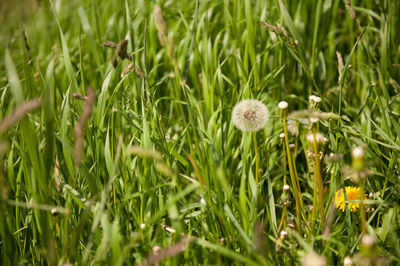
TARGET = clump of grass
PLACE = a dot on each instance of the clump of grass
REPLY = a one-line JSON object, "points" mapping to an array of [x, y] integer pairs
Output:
{"points": [[154, 172]]}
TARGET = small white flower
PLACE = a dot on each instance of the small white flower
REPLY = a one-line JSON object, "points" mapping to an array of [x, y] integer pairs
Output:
{"points": [[286, 187], [283, 105], [283, 234], [250, 115], [142, 226]]}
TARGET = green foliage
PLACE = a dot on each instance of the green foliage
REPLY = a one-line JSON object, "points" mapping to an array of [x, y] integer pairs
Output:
{"points": [[161, 159]]}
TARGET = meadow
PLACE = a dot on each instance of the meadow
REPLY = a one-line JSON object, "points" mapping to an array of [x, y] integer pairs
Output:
{"points": [[260, 132]]}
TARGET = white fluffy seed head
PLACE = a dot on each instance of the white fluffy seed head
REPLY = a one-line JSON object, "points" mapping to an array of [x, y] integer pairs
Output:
{"points": [[319, 138], [314, 99], [313, 259], [314, 120], [293, 128], [368, 240], [283, 234], [347, 261], [357, 153], [283, 105], [250, 115]]}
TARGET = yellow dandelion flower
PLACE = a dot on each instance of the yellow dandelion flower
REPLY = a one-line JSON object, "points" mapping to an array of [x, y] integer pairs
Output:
{"points": [[353, 193]]}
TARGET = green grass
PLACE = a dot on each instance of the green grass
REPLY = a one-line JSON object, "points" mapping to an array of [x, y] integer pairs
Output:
{"points": [[159, 147]]}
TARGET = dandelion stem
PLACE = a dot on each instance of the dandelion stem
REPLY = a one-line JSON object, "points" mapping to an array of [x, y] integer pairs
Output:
{"points": [[362, 207], [284, 212], [314, 202], [291, 171], [318, 181], [256, 154], [283, 222], [296, 174]]}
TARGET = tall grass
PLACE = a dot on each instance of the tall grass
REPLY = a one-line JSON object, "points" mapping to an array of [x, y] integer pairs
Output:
{"points": [[165, 175]]}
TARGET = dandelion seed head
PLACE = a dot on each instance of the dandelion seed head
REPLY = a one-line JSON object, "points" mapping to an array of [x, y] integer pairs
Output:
{"points": [[283, 105], [347, 261], [314, 120], [250, 115], [313, 259], [314, 99], [368, 240], [319, 138], [293, 128]]}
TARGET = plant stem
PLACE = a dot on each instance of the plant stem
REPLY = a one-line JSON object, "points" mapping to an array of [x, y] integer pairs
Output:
{"points": [[298, 184], [362, 207], [257, 156], [283, 222], [291, 172], [318, 182]]}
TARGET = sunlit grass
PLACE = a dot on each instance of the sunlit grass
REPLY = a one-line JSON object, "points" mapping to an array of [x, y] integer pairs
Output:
{"points": [[152, 169]]}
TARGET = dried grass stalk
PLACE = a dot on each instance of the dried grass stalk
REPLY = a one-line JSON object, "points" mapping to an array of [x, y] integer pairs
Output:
{"points": [[126, 70], [18, 113], [79, 128], [79, 96], [158, 255], [109, 44]]}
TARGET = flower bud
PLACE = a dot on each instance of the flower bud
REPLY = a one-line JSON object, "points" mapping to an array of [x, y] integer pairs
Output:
{"points": [[358, 158]]}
